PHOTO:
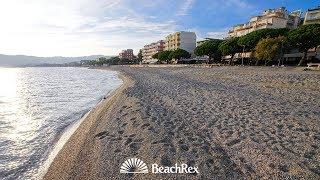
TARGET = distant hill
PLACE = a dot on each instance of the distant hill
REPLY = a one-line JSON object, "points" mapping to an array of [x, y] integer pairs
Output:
{"points": [[22, 60]]}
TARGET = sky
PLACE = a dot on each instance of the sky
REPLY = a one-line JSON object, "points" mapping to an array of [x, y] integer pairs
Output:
{"points": [[105, 27]]}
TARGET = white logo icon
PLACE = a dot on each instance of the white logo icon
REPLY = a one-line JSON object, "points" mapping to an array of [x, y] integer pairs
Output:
{"points": [[133, 165]]}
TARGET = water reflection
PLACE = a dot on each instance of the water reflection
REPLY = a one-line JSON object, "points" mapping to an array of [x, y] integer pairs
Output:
{"points": [[36, 105], [8, 79], [16, 128]]}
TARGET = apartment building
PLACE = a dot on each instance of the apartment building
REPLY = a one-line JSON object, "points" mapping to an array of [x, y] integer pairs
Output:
{"points": [[126, 54], [181, 40], [271, 18], [149, 50], [312, 16]]}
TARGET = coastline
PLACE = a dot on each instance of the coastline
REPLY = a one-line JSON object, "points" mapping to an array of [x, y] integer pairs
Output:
{"points": [[204, 117], [60, 160]]}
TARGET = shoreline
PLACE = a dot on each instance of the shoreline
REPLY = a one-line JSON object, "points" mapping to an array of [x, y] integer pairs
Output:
{"points": [[202, 117], [68, 145]]}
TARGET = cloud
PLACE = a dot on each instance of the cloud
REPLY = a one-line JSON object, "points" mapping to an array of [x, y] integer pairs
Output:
{"points": [[85, 27], [186, 6], [75, 27], [230, 6], [219, 34], [238, 3]]}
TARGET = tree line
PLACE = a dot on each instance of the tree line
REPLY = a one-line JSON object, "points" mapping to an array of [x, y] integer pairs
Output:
{"points": [[266, 44], [167, 56], [113, 61]]}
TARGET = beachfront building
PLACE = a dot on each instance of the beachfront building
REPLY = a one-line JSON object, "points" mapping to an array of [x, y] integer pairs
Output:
{"points": [[126, 54], [312, 16], [271, 18], [294, 56], [150, 49], [181, 40]]}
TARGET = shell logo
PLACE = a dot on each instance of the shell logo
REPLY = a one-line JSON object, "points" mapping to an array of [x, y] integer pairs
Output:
{"points": [[133, 165]]}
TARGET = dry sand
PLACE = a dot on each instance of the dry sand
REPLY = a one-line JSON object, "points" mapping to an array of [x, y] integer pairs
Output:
{"points": [[231, 122]]}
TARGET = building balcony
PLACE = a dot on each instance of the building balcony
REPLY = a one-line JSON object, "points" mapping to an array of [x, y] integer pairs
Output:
{"points": [[312, 18]]}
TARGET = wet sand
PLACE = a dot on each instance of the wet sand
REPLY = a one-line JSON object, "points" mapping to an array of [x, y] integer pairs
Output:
{"points": [[231, 122]]}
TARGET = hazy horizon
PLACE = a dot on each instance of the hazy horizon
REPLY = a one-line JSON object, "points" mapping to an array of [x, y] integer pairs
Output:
{"points": [[22, 60], [56, 55]]}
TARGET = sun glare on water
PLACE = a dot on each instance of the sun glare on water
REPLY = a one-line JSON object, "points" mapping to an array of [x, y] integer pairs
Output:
{"points": [[14, 118], [8, 81]]}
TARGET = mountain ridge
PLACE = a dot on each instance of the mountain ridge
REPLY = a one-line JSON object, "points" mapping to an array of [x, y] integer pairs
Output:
{"points": [[25, 60]]}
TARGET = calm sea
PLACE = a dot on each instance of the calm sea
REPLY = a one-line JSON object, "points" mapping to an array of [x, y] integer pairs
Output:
{"points": [[37, 106]]}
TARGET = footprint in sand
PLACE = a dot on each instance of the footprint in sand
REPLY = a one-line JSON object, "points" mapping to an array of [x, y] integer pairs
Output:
{"points": [[124, 124], [143, 126], [134, 147], [184, 147], [128, 141], [165, 160], [102, 134]]}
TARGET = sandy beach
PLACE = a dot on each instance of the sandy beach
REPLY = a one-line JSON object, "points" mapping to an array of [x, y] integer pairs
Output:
{"points": [[230, 122]]}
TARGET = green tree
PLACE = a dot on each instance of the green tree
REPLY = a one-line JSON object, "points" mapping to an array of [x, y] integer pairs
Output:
{"points": [[268, 49], [140, 56], [155, 56], [101, 61], [164, 56], [178, 54], [114, 60], [249, 41], [125, 61], [304, 38], [92, 62], [230, 47], [209, 48]]}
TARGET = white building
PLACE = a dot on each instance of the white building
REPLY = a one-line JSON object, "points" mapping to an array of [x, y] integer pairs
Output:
{"points": [[150, 49], [181, 40], [312, 16], [271, 18]]}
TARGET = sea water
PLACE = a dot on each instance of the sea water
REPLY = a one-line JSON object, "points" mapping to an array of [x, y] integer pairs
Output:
{"points": [[37, 106]]}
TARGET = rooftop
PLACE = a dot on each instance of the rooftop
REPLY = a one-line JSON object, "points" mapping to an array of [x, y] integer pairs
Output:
{"points": [[314, 9]]}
